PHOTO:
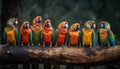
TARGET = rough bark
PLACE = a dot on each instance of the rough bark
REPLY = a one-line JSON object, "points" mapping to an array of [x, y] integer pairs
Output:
{"points": [[59, 55]]}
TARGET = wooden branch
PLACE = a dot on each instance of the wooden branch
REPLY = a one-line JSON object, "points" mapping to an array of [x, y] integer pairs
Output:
{"points": [[59, 55]]}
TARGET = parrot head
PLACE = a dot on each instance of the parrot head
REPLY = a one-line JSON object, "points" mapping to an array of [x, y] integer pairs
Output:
{"points": [[105, 25], [37, 19], [12, 22], [63, 25], [75, 27], [90, 24], [26, 24], [93, 24], [47, 23]]}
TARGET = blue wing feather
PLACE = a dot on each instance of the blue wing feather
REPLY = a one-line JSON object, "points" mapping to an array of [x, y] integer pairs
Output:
{"points": [[111, 38]]}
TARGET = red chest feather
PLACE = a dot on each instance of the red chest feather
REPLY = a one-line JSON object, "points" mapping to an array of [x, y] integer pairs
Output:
{"points": [[25, 36]]}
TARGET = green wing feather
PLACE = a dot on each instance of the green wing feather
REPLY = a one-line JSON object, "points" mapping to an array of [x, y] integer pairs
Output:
{"points": [[93, 38], [17, 36], [30, 37], [111, 38]]}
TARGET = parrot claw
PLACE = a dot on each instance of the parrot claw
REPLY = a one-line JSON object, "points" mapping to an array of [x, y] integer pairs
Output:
{"points": [[56, 45], [50, 45], [39, 44], [43, 45]]}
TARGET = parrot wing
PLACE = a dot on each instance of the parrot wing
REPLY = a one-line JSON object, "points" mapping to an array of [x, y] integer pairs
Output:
{"points": [[53, 37], [111, 38], [30, 37], [66, 39], [99, 37], [80, 38], [93, 38], [55, 34], [40, 37], [17, 36]]}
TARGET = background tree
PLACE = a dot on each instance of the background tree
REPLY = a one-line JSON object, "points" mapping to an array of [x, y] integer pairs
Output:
{"points": [[10, 8]]}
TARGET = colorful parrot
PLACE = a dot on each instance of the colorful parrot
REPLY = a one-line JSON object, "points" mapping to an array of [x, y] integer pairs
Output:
{"points": [[73, 39], [105, 35], [11, 34], [36, 30], [26, 34], [61, 34], [47, 34], [88, 34]]}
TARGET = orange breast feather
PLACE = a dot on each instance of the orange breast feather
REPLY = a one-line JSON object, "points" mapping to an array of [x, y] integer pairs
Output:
{"points": [[73, 38]]}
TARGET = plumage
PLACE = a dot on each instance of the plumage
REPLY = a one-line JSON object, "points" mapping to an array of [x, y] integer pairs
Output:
{"points": [[11, 34], [26, 34], [47, 33], [88, 34], [61, 34], [73, 39], [36, 30], [105, 35]]}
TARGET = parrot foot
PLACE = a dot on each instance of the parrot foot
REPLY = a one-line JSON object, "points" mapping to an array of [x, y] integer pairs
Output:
{"points": [[43, 45], [50, 45], [55, 45], [38, 44]]}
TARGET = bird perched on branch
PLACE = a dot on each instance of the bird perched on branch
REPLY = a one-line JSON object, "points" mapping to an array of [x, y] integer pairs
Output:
{"points": [[61, 34], [105, 35], [73, 39], [36, 30], [47, 33], [26, 34], [11, 34], [88, 34]]}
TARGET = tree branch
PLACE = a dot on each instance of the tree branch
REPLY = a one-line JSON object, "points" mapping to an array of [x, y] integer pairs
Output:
{"points": [[59, 55]]}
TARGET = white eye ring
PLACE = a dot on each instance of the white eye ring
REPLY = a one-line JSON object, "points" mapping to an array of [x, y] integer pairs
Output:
{"points": [[66, 25], [16, 22], [94, 26]]}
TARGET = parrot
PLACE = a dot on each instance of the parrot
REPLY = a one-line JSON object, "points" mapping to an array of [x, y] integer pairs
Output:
{"points": [[62, 34], [26, 34], [88, 34], [47, 33], [105, 35], [36, 30], [74, 34], [11, 34]]}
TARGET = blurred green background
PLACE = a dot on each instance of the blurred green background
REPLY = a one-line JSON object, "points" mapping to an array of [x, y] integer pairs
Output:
{"points": [[74, 11]]}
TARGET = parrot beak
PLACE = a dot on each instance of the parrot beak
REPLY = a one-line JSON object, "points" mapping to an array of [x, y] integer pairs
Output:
{"points": [[15, 22], [65, 25], [77, 27], [102, 24], [94, 25], [39, 19], [48, 24], [27, 25]]}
